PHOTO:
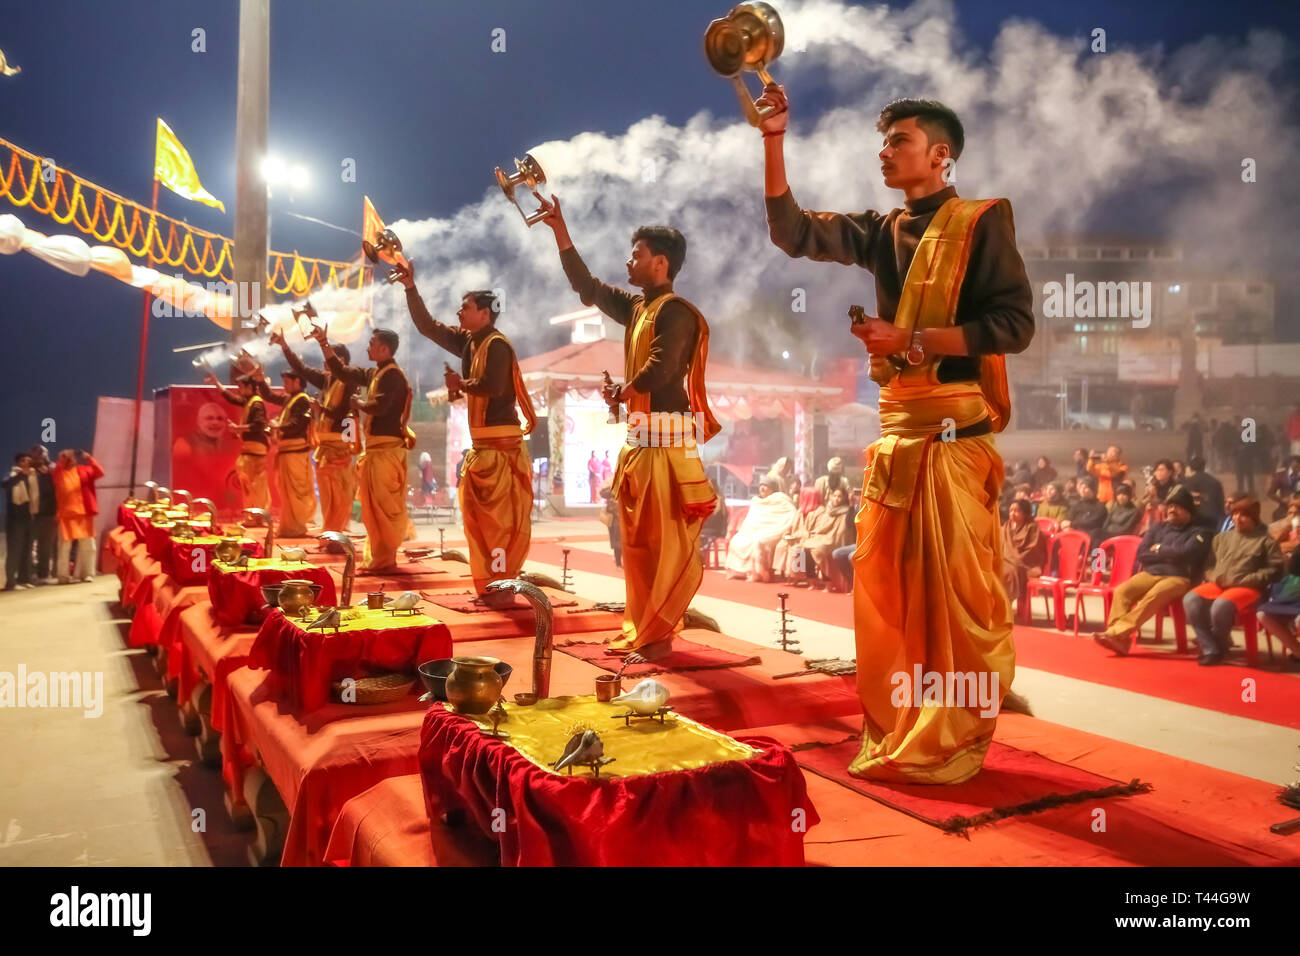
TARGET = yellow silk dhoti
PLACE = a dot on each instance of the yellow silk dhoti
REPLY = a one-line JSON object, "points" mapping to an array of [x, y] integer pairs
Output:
{"points": [[663, 498], [927, 592], [293, 474], [336, 481], [251, 469], [381, 486], [496, 504]]}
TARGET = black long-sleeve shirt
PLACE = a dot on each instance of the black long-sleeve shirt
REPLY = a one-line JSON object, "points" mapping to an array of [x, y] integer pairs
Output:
{"points": [[497, 383], [256, 423], [293, 421], [332, 415], [1169, 551], [390, 399], [672, 347], [995, 306]]}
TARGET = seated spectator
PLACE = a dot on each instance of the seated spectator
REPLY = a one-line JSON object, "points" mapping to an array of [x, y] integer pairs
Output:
{"points": [[1071, 494], [1278, 614], [1053, 503], [834, 478], [1109, 471], [1088, 514], [1169, 558], [1021, 473], [771, 514], [1286, 530], [1122, 516], [804, 552], [1200, 482], [1227, 523], [1080, 458], [1284, 485], [1180, 471], [1024, 550], [1044, 473], [1245, 561]]}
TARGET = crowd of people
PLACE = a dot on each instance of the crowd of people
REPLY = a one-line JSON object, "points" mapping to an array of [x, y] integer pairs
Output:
{"points": [[1218, 554], [50, 518]]}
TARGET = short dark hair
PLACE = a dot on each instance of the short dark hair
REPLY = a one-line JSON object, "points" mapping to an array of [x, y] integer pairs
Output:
{"points": [[664, 241], [1196, 463], [291, 373], [388, 337], [485, 299], [248, 380], [21, 455], [941, 124], [1163, 461], [342, 352]]}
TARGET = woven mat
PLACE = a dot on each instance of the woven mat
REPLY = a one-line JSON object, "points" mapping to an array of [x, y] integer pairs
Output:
{"points": [[686, 656]]}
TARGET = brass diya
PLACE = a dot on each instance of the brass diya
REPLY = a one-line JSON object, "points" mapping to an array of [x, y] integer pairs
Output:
{"points": [[297, 595]]}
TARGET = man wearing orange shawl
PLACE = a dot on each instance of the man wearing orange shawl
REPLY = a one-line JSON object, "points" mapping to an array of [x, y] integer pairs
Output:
{"points": [[74, 489], [662, 491], [496, 482], [953, 298]]}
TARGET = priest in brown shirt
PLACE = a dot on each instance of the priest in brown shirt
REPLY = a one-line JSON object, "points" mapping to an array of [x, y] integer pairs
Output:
{"points": [[381, 469], [336, 439], [953, 298], [662, 491], [496, 481], [250, 466], [293, 474]]}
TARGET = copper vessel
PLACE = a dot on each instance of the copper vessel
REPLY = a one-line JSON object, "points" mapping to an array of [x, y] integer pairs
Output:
{"points": [[228, 550], [297, 595], [608, 686], [474, 686]]}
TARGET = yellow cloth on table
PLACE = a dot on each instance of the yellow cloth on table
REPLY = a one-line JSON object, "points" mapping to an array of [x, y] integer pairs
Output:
{"points": [[496, 504], [381, 474], [927, 590], [539, 733], [297, 490], [336, 480], [200, 539], [261, 564], [364, 619], [251, 470]]}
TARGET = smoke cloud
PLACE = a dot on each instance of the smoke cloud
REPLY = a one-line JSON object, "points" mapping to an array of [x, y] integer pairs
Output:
{"points": [[1131, 142]]}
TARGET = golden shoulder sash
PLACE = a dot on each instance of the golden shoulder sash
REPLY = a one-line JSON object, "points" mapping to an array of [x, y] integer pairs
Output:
{"points": [[636, 350], [477, 404], [409, 440], [932, 288]]}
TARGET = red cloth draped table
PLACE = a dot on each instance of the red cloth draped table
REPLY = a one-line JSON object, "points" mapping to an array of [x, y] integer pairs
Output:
{"points": [[236, 593], [304, 663], [749, 808], [180, 560], [158, 539]]}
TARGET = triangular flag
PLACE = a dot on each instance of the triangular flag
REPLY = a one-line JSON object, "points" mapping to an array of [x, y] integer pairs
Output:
{"points": [[371, 227], [175, 170]]}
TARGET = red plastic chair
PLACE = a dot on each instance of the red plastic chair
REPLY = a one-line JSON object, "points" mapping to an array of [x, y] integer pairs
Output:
{"points": [[1048, 526], [1175, 610], [1070, 551], [1246, 620], [1120, 554]]}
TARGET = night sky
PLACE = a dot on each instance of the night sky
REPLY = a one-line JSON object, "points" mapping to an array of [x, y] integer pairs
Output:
{"points": [[410, 90]]}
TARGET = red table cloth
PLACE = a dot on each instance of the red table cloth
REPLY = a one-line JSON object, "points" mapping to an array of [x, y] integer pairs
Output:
{"points": [[303, 663], [733, 813], [180, 562], [237, 595]]}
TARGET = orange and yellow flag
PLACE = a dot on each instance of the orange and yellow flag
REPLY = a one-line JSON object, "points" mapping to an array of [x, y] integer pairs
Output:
{"points": [[175, 170], [371, 227]]}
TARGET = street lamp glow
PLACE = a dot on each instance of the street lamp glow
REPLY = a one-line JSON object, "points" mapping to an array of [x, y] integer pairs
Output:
{"points": [[273, 171], [785, 354], [299, 177]]}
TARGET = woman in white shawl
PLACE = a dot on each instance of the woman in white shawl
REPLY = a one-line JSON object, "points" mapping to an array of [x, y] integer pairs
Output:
{"points": [[771, 514]]}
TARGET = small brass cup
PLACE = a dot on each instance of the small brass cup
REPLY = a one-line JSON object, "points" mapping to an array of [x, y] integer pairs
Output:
{"points": [[375, 600], [608, 686]]}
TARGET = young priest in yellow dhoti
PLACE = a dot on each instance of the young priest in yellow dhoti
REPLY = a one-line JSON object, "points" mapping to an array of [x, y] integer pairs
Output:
{"points": [[381, 469], [929, 604], [252, 426], [496, 482], [293, 447], [662, 491], [336, 437]]}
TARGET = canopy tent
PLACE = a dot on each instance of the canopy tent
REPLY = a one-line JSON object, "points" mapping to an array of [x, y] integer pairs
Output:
{"points": [[565, 387]]}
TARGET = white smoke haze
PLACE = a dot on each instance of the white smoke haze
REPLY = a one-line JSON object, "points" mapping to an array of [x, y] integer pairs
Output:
{"points": [[1069, 136]]}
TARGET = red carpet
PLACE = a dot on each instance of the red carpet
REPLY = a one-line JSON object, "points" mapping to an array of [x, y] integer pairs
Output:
{"points": [[1147, 670], [686, 656], [466, 602], [1013, 783]]}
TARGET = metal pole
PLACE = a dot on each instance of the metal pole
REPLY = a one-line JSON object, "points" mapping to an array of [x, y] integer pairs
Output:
{"points": [[144, 342], [251, 110]]}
